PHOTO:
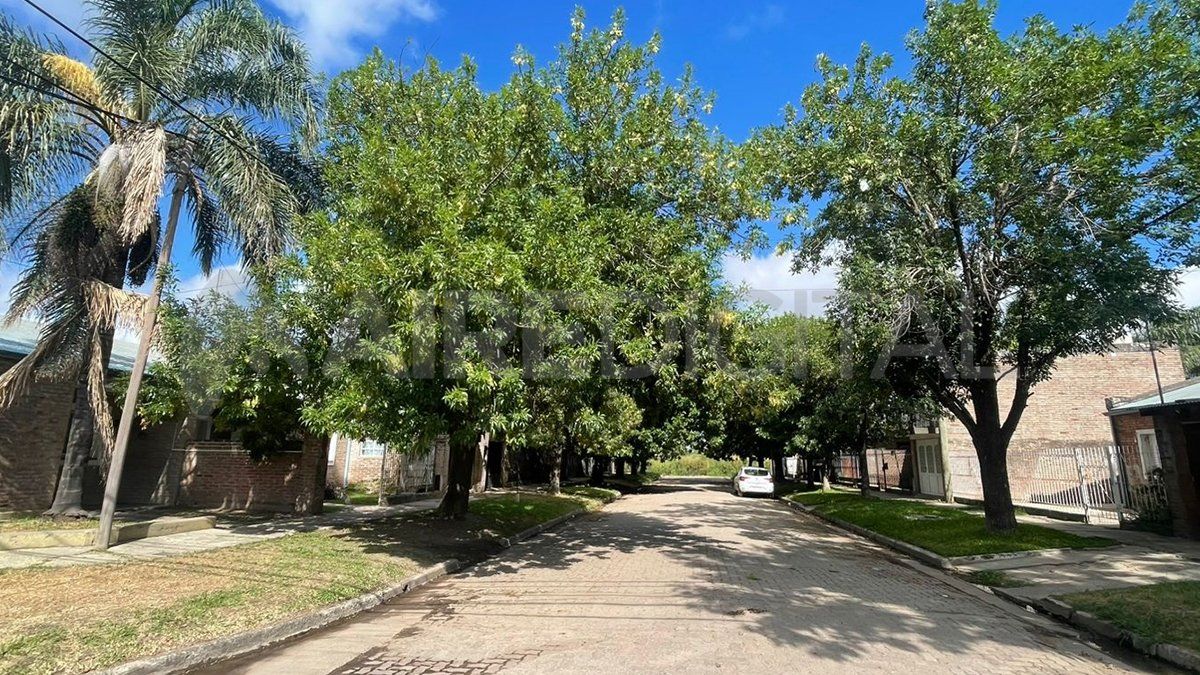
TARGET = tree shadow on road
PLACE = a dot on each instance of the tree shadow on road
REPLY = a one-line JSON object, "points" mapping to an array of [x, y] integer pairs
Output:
{"points": [[783, 575]]}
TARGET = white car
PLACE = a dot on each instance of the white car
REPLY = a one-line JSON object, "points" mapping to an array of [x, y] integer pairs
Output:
{"points": [[752, 480]]}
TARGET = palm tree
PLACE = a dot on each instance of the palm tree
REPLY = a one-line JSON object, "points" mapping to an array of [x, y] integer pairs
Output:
{"points": [[193, 103]]}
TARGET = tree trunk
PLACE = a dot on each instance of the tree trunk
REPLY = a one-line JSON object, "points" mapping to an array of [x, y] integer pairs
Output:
{"points": [[998, 512], [991, 438], [777, 468], [864, 477], [68, 497], [809, 477], [68, 494], [599, 466], [497, 445], [619, 463], [556, 460], [456, 501]]}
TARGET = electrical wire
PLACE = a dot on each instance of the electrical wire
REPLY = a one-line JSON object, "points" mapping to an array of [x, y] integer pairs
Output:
{"points": [[155, 88]]}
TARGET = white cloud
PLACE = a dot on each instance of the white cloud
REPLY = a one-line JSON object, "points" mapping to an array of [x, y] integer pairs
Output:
{"points": [[228, 280], [1188, 291], [769, 280], [334, 30], [762, 19]]}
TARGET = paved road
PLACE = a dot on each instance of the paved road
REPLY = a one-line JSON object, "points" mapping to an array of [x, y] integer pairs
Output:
{"points": [[690, 579]]}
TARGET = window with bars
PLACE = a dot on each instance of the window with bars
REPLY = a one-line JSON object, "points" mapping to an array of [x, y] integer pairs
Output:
{"points": [[1148, 450], [372, 449]]}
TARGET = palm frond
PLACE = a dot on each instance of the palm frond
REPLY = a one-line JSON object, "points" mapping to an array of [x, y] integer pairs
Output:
{"points": [[259, 204], [98, 396], [236, 58], [44, 141], [110, 307], [143, 183]]}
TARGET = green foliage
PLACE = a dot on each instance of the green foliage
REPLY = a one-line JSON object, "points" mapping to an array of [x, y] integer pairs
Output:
{"points": [[585, 201], [1012, 201], [944, 530], [696, 465], [231, 361]]}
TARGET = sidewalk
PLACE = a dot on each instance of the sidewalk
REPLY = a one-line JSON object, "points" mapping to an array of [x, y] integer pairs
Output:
{"points": [[223, 535], [1141, 558]]}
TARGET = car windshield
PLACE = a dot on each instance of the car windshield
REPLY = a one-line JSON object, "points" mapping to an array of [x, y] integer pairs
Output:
{"points": [[754, 472]]}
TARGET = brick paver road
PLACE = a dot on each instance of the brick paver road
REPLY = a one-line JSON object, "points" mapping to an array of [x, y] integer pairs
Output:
{"points": [[690, 580]]}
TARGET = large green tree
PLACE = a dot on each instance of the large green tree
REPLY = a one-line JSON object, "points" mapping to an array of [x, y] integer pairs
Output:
{"points": [[518, 262], [1010, 201], [88, 150]]}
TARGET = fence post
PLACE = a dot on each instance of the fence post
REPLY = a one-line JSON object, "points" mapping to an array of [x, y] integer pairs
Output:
{"points": [[1083, 488], [1116, 477]]}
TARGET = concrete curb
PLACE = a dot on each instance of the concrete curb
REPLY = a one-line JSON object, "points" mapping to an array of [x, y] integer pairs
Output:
{"points": [[508, 542], [122, 533], [249, 641], [1173, 654], [924, 555], [947, 577]]}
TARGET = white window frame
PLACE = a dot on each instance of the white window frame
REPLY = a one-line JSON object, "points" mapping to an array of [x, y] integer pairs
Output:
{"points": [[1147, 442], [371, 448]]}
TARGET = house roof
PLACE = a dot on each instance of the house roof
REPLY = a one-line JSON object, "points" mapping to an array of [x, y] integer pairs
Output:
{"points": [[1186, 391], [20, 337]]}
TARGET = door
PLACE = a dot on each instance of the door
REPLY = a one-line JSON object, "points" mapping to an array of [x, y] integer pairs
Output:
{"points": [[929, 469]]}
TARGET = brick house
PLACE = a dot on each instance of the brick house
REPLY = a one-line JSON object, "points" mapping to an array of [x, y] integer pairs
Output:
{"points": [[1165, 425], [172, 464], [1070, 409], [366, 463]]}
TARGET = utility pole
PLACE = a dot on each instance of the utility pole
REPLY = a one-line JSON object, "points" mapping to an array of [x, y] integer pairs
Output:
{"points": [[112, 485]]}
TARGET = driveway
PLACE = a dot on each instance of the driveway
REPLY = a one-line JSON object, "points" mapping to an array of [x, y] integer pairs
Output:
{"points": [[691, 578]]}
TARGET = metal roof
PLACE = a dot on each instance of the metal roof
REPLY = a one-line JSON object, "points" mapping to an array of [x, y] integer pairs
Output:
{"points": [[20, 337], [1179, 392]]}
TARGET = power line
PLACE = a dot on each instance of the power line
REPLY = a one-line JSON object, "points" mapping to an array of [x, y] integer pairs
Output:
{"points": [[70, 97], [141, 79]]}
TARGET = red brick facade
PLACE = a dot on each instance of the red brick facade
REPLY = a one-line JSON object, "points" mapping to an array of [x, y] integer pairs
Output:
{"points": [[222, 475], [33, 434], [162, 467], [402, 472], [1069, 408]]}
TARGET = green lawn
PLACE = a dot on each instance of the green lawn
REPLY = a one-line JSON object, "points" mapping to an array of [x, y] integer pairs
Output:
{"points": [[602, 495], [359, 495], [80, 618], [946, 531], [1167, 612], [513, 512]]}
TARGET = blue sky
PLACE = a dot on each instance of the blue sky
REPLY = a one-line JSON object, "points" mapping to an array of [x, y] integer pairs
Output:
{"points": [[755, 55]]}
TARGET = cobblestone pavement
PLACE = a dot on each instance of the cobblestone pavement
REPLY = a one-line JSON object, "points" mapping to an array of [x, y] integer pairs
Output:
{"points": [[692, 580]]}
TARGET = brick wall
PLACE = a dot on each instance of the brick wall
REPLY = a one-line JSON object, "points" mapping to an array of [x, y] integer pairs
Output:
{"points": [[404, 472], [1069, 408], [222, 475], [33, 434]]}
